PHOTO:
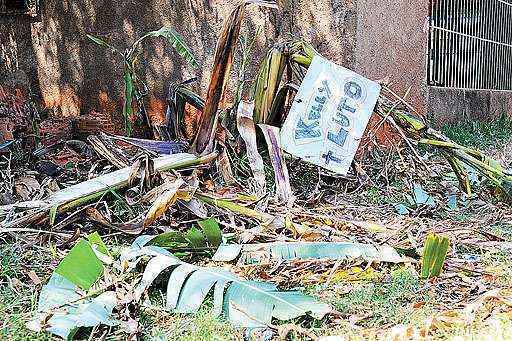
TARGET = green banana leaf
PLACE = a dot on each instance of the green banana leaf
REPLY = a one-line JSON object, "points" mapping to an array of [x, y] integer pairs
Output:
{"points": [[210, 235], [63, 306], [434, 255], [245, 303], [211, 230], [176, 41], [95, 240], [195, 238], [81, 266], [279, 251]]}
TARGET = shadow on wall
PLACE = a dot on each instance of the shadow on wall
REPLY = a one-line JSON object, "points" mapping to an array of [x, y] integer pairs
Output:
{"points": [[76, 76], [17, 68]]}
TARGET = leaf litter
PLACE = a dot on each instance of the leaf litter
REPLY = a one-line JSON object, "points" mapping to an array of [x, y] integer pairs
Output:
{"points": [[226, 218]]}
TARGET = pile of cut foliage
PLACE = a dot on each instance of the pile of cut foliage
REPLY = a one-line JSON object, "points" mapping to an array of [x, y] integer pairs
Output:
{"points": [[197, 210]]}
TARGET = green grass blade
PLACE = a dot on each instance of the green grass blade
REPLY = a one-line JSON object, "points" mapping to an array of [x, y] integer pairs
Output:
{"points": [[212, 231], [128, 98]]}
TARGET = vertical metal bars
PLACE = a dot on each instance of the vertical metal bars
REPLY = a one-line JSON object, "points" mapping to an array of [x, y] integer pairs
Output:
{"points": [[470, 44]]}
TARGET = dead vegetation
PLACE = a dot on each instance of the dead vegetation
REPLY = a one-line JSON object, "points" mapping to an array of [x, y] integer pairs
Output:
{"points": [[238, 240]]}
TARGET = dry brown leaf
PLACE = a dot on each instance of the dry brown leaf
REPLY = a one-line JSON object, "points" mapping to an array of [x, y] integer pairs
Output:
{"points": [[224, 166], [163, 202], [247, 130], [283, 189], [34, 277], [221, 69], [133, 227], [26, 187]]}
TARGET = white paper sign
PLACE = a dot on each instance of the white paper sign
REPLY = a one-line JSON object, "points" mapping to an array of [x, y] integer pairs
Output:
{"points": [[329, 115]]}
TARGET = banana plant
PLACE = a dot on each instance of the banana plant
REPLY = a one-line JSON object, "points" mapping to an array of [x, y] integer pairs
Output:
{"points": [[269, 96], [271, 91], [222, 66], [135, 89]]}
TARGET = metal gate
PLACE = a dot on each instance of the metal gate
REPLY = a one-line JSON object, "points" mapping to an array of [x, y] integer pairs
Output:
{"points": [[470, 44]]}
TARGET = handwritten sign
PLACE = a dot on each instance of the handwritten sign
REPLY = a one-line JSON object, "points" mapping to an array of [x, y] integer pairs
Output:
{"points": [[329, 115]]}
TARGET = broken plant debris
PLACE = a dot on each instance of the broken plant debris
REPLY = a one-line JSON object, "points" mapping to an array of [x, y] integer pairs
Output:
{"points": [[195, 209]]}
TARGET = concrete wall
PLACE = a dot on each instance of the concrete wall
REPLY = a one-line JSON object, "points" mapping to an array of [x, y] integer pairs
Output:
{"points": [[392, 38], [391, 44], [379, 39], [452, 105], [17, 59], [75, 76]]}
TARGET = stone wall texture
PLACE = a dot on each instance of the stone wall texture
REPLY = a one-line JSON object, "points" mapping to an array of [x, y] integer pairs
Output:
{"points": [[51, 57]]}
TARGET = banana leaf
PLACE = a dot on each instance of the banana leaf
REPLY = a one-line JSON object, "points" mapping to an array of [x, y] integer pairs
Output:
{"points": [[176, 41], [267, 84], [209, 235], [283, 188], [247, 130], [63, 311], [434, 255], [277, 113], [81, 266], [279, 251], [244, 303], [63, 305], [93, 189], [163, 202], [160, 147]]}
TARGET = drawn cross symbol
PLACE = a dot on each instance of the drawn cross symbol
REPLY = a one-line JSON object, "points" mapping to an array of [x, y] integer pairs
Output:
{"points": [[330, 157]]}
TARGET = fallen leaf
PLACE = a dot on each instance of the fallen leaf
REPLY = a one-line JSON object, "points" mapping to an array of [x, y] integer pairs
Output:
{"points": [[34, 277], [163, 202], [26, 186]]}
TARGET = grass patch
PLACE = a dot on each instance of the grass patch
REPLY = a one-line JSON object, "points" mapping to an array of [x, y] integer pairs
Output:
{"points": [[379, 304], [9, 263], [499, 264], [18, 300], [478, 134], [203, 326], [496, 328], [16, 309]]}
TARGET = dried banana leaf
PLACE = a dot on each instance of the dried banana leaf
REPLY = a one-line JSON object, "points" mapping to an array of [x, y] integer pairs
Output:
{"points": [[247, 131], [283, 189], [92, 189], [222, 64]]}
